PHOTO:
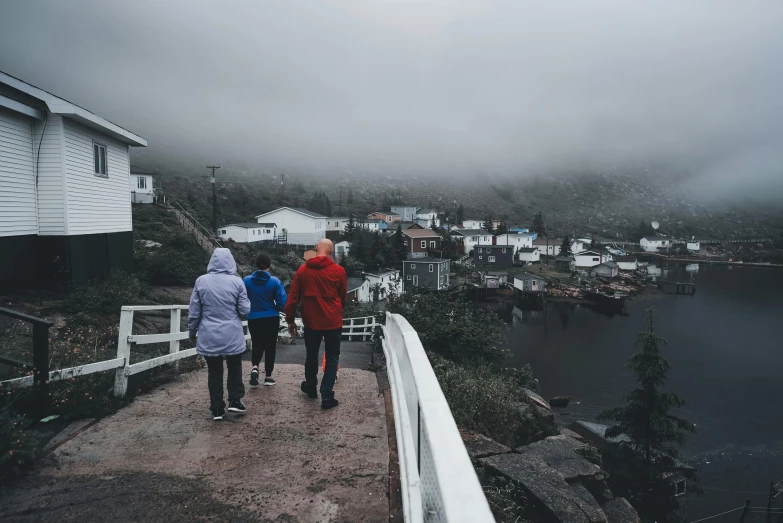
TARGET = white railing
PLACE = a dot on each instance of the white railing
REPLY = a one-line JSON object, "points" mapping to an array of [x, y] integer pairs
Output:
{"points": [[438, 481], [353, 328]]}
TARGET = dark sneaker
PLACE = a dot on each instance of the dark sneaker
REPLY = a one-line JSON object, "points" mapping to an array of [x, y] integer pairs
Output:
{"points": [[217, 414], [254, 378], [268, 381], [309, 390], [236, 406], [329, 404]]}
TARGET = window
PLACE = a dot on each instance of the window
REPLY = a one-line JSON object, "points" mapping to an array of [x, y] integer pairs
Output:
{"points": [[409, 277], [268, 231], [490, 259], [432, 245], [413, 266], [99, 158], [596, 259], [424, 244], [223, 232], [480, 249], [336, 224], [504, 251], [141, 182], [480, 257], [432, 267]]}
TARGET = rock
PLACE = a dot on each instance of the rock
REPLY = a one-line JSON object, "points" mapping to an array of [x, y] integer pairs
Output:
{"points": [[560, 401], [589, 505], [546, 487], [559, 452], [480, 446], [618, 510], [538, 400], [571, 434]]}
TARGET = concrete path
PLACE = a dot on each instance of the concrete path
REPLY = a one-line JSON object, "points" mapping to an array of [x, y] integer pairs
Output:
{"points": [[162, 458], [353, 354]]}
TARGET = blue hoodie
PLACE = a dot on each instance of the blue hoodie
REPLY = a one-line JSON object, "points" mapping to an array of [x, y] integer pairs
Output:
{"points": [[266, 293]]}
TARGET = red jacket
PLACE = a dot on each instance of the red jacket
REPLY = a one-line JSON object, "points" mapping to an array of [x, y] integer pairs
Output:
{"points": [[320, 285]]}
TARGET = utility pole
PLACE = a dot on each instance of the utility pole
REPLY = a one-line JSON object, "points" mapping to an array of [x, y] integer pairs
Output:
{"points": [[282, 188], [214, 197]]}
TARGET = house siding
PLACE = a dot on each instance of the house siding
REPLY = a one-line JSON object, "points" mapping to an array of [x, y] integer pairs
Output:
{"points": [[18, 215], [435, 280], [300, 229], [51, 185], [95, 204]]}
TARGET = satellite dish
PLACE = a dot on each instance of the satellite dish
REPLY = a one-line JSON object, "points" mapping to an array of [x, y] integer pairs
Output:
{"points": [[655, 225]]}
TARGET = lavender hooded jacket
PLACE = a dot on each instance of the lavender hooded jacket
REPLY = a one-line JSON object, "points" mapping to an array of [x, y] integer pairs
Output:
{"points": [[217, 306]]}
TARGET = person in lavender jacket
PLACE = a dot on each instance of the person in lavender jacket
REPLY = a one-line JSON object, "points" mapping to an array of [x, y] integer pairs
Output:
{"points": [[217, 306]]}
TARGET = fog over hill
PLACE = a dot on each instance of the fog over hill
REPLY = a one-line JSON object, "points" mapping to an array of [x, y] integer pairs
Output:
{"points": [[476, 92]]}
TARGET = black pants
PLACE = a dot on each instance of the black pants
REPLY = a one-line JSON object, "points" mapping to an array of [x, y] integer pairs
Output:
{"points": [[236, 389], [312, 339], [263, 333]]}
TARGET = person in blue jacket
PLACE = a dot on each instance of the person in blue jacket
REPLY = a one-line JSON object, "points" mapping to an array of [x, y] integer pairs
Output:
{"points": [[267, 300]]}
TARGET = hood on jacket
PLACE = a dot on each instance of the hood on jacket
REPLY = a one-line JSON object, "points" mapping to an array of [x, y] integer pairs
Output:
{"points": [[260, 277], [222, 262], [319, 262]]}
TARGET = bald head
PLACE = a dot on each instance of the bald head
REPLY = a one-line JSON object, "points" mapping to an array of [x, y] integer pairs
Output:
{"points": [[324, 248]]}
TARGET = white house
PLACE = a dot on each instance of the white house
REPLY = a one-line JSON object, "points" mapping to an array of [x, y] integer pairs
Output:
{"points": [[655, 243], [141, 181], [373, 225], [336, 224], [693, 246], [579, 245], [472, 224], [342, 249], [591, 258], [471, 237], [627, 263], [529, 254], [358, 290], [388, 281], [548, 247], [248, 232], [296, 226], [65, 214], [426, 217], [518, 240], [406, 213]]}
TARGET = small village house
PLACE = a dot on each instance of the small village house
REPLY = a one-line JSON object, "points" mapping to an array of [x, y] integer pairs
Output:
{"points": [[493, 256], [528, 255], [65, 211], [358, 290], [427, 218], [335, 226], [693, 246], [518, 240], [467, 239], [373, 225], [494, 279], [586, 259], [248, 232], [565, 264], [627, 263], [606, 270], [432, 273], [387, 281], [579, 245], [548, 247], [141, 184], [296, 226], [527, 282], [388, 217], [405, 212], [341, 249], [420, 242], [473, 224], [656, 243]]}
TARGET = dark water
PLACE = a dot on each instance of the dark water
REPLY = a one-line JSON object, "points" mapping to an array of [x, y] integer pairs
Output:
{"points": [[725, 345]]}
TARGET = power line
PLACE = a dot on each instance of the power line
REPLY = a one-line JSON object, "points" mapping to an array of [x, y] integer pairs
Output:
{"points": [[214, 198], [721, 514]]}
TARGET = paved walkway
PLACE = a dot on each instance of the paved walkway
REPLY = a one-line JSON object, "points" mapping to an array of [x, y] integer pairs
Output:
{"points": [[162, 458]]}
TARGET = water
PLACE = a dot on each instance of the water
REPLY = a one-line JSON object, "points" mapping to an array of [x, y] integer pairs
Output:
{"points": [[725, 345]]}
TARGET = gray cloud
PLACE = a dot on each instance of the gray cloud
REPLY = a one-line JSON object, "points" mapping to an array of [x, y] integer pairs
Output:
{"points": [[424, 86]]}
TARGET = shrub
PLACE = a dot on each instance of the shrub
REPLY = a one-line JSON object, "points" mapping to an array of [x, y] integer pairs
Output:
{"points": [[19, 447], [107, 296], [177, 264]]}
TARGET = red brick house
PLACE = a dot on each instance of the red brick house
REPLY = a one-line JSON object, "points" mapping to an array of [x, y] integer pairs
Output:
{"points": [[420, 242]]}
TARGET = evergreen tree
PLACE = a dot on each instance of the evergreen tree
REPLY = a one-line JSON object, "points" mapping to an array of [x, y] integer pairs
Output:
{"points": [[460, 214], [350, 196], [502, 229], [433, 225], [538, 224], [565, 247], [642, 230], [655, 434], [328, 207], [399, 251], [350, 229], [487, 225]]}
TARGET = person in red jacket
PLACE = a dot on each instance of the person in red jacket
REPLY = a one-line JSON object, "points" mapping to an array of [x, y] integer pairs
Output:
{"points": [[320, 285]]}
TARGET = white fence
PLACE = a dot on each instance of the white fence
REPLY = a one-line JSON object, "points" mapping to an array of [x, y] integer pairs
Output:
{"points": [[437, 477], [353, 328]]}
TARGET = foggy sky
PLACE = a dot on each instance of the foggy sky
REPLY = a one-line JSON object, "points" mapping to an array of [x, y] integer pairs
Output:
{"points": [[453, 87]]}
